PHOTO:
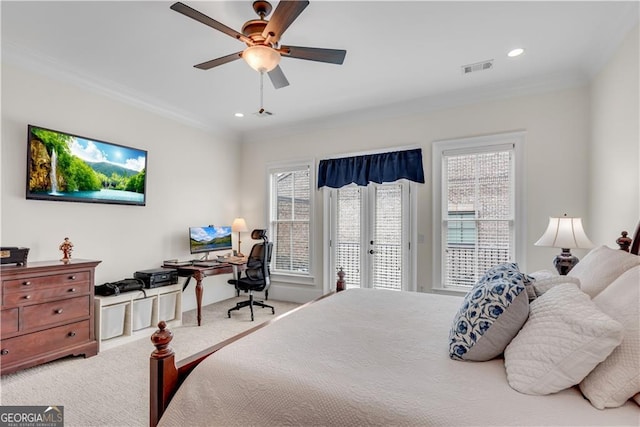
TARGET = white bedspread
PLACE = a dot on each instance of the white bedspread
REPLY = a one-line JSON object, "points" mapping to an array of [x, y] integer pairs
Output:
{"points": [[367, 357]]}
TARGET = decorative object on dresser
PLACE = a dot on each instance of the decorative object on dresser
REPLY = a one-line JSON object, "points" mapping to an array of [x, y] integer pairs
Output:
{"points": [[566, 233], [13, 255], [66, 247], [47, 313]]}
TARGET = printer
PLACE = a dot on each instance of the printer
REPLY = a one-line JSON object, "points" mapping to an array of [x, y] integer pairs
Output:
{"points": [[13, 255], [157, 277]]}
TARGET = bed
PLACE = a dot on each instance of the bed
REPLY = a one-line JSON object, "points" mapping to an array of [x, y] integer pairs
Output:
{"points": [[379, 357]]}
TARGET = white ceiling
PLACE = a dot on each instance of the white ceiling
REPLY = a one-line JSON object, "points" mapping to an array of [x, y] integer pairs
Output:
{"points": [[401, 56]]}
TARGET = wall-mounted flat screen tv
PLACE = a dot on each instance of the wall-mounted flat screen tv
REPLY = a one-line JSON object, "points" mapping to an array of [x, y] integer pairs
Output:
{"points": [[66, 167], [209, 238]]}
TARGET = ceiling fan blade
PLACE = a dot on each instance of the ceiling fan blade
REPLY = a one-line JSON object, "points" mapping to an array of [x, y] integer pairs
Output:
{"points": [[278, 78], [286, 12], [219, 61], [201, 17], [333, 56]]}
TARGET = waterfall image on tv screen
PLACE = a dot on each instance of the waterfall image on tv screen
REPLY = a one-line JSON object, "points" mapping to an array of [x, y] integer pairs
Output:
{"points": [[210, 238], [66, 167]]}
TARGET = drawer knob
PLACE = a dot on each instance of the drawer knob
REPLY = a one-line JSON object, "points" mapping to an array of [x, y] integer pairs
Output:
{"points": [[72, 290], [59, 311], [4, 352], [71, 334], [72, 277], [27, 297], [26, 283]]}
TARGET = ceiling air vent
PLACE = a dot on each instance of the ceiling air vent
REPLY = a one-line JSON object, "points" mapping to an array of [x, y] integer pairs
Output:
{"points": [[478, 66]]}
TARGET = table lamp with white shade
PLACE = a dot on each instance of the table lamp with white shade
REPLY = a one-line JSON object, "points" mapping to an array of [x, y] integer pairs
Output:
{"points": [[239, 225], [566, 233]]}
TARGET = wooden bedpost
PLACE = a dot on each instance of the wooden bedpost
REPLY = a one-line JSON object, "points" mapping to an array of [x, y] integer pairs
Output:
{"points": [[624, 241], [340, 284], [164, 374]]}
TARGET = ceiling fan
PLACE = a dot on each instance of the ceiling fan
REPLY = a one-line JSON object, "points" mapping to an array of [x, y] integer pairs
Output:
{"points": [[262, 37]]}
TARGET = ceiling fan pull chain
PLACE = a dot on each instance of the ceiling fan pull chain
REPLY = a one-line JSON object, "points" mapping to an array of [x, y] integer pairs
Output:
{"points": [[261, 90]]}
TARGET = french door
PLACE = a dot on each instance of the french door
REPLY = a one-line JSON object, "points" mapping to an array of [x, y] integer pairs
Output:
{"points": [[370, 231]]}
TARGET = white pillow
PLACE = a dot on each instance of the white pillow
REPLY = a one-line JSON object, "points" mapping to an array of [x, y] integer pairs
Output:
{"points": [[600, 267], [617, 379], [565, 337], [546, 279]]}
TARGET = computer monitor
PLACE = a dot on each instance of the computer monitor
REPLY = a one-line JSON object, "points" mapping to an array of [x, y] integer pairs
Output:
{"points": [[209, 238]]}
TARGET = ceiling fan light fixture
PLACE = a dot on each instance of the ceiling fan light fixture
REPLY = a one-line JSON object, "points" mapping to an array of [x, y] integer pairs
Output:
{"points": [[261, 58]]}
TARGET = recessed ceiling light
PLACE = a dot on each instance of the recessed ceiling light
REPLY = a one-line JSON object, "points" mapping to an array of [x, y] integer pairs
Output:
{"points": [[515, 52], [239, 115]]}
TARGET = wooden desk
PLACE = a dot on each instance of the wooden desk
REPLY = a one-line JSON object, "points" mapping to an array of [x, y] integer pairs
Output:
{"points": [[199, 273]]}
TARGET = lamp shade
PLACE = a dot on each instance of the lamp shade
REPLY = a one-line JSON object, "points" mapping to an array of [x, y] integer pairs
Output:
{"points": [[239, 225], [261, 58], [566, 233]]}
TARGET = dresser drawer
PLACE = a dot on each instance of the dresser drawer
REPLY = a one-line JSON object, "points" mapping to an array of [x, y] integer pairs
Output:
{"points": [[26, 346], [45, 294], [9, 321], [29, 283], [35, 316]]}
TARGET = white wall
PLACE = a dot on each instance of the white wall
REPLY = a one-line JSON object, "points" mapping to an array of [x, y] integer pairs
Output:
{"points": [[557, 132], [183, 165], [581, 158], [614, 178]]}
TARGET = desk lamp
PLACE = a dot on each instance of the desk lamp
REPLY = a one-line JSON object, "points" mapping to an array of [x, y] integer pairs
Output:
{"points": [[566, 233], [239, 225]]}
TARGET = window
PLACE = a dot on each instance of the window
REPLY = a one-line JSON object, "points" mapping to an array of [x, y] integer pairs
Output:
{"points": [[476, 207], [290, 216]]}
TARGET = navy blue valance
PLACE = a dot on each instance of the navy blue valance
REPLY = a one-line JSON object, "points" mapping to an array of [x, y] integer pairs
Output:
{"points": [[378, 168]]}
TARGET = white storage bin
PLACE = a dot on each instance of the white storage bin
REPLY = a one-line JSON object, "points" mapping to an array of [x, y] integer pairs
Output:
{"points": [[141, 313], [112, 321], [168, 307]]}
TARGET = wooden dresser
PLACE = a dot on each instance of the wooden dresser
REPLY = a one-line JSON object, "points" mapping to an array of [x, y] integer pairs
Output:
{"points": [[47, 312]]}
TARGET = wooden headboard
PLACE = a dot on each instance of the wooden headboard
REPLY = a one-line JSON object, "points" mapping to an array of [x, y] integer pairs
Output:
{"points": [[635, 245]]}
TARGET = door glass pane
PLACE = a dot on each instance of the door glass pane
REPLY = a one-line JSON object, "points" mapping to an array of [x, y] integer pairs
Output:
{"points": [[349, 205], [387, 246]]}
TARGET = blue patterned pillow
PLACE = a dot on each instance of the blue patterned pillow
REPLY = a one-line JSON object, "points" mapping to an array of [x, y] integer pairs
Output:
{"points": [[510, 271], [491, 315]]}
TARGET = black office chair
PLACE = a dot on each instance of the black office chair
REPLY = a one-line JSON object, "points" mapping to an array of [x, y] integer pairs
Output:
{"points": [[257, 275]]}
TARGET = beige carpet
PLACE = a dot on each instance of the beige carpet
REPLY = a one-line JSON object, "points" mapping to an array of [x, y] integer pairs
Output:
{"points": [[111, 389]]}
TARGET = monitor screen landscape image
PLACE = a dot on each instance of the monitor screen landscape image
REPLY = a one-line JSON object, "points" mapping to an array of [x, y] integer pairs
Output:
{"points": [[209, 238], [66, 167]]}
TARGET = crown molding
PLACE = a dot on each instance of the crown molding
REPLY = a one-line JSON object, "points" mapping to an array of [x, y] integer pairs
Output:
{"points": [[48, 66]]}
